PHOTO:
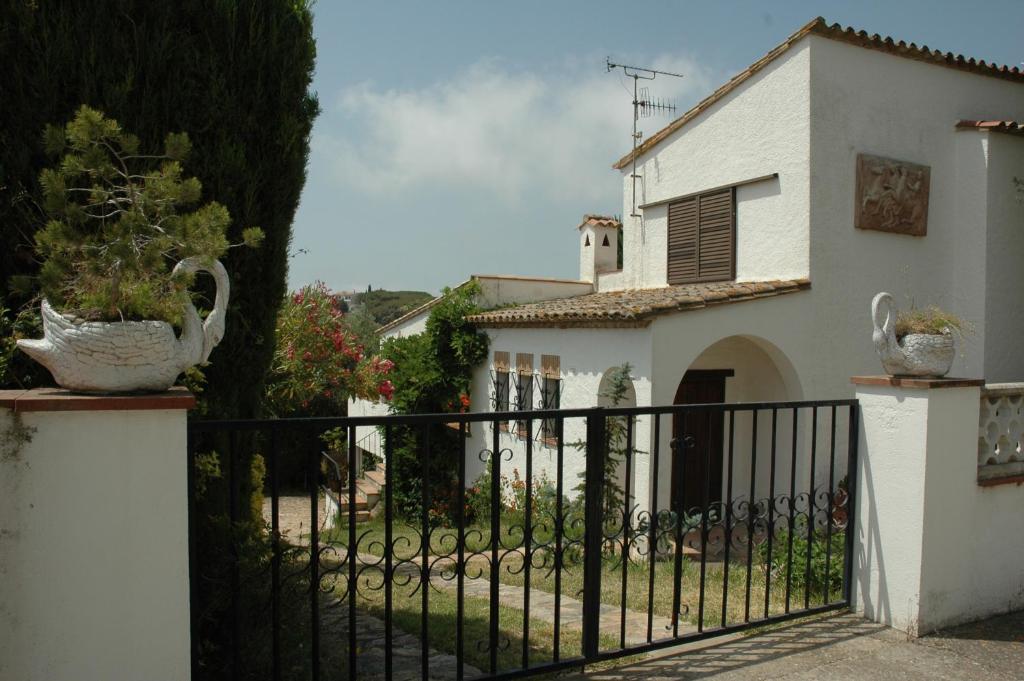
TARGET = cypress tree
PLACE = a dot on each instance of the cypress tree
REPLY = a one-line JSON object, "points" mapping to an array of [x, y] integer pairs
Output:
{"points": [[233, 74]]}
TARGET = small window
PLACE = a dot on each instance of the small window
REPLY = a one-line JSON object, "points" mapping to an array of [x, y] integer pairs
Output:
{"points": [[550, 396], [524, 389], [500, 385]]}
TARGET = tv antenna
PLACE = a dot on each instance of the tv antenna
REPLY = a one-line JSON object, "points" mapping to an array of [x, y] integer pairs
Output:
{"points": [[643, 106]]}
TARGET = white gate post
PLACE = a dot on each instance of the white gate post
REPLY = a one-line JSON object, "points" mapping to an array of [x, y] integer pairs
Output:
{"points": [[94, 580], [916, 480]]}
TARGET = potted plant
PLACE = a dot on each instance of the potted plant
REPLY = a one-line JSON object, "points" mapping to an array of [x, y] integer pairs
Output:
{"points": [[915, 342], [119, 250]]}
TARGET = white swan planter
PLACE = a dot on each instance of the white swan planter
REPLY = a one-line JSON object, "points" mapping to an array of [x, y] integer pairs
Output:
{"points": [[116, 357], [916, 354]]}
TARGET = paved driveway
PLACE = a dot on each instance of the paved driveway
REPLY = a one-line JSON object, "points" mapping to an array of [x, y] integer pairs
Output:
{"points": [[845, 647]]}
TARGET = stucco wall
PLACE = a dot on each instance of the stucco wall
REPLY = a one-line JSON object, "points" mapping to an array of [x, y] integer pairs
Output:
{"points": [[774, 347], [758, 129], [506, 290], [94, 547], [864, 101], [933, 548], [366, 408], [408, 327], [585, 355]]}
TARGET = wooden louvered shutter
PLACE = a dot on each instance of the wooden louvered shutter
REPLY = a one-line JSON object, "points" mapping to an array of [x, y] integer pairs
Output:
{"points": [[701, 238], [715, 248], [682, 241]]}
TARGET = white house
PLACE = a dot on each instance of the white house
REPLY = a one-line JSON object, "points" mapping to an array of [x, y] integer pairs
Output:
{"points": [[838, 165]]}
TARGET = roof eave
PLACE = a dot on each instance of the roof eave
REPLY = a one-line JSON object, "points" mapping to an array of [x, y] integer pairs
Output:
{"points": [[833, 32]]}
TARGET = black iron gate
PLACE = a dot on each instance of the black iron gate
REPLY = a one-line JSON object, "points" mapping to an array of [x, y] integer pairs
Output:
{"points": [[510, 544]]}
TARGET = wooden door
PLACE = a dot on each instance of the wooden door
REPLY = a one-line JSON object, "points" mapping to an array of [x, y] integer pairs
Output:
{"points": [[697, 441]]}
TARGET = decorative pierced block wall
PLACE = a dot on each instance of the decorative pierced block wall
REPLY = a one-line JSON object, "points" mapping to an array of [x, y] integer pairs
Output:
{"points": [[1001, 431]]}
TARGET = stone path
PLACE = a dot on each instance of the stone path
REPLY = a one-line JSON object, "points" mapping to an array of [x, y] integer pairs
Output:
{"points": [[542, 607], [841, 648], [293, 517], [406, 649]]}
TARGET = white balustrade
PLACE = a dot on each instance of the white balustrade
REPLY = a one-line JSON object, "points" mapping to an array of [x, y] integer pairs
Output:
{"points": [[1001, 431]]}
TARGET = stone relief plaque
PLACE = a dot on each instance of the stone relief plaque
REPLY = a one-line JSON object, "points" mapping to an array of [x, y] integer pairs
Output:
{"points": [[892, 196]]}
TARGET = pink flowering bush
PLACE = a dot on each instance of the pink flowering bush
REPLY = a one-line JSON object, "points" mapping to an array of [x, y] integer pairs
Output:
{"points": [[318, 361]]}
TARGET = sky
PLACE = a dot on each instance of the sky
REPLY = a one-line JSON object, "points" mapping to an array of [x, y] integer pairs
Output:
{"points": [[461, 138]]}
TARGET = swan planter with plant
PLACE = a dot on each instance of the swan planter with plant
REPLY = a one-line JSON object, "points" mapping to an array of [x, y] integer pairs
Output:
{"points": [[915, 342], [110, 298]]}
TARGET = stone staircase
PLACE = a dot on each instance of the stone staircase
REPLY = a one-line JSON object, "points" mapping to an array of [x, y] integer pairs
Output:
{"points": [[369, 494]]}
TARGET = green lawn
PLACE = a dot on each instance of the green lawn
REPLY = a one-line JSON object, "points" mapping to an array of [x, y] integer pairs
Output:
{"points": [[442, 608], [639, 595]]}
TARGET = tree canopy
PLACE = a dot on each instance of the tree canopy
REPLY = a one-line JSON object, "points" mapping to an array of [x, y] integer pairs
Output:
{"points": [[234, 75]]}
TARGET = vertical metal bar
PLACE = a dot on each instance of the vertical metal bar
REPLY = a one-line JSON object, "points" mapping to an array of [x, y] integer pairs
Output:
{"points": [[495, 544], [810, 509], [193, 549], [559, 534], [771, 514], [728, 522], [528, 542], [275, 560], [593, 532], [352, 472], [652, 540], [705, 496], [236, 587], [389, 548], [792, 512], [751, 510], [312, 474], [851, 499], [460, 586], [425, 558], [831, 503], [627, 517], [678, 456]]}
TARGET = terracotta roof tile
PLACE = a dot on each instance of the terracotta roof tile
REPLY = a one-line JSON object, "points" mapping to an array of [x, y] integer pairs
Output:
{"points": [[632, 307], [1012, 127], [600, 221], [834, 32]]}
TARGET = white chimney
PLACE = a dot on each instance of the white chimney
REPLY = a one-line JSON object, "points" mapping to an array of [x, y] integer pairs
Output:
{"points": [[599, 246]]}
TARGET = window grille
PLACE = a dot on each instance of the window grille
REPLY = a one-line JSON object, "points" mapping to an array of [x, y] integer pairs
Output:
{"points": [[550, 398], [524, 400], [500, 382]]}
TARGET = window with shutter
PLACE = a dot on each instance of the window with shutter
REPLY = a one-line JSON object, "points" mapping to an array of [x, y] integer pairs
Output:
{"points": [[550, 395], [702, 238], [501, 385], [524, 389]]}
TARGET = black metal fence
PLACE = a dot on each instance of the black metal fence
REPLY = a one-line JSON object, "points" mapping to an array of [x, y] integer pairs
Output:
{"points": [[475, 550]]}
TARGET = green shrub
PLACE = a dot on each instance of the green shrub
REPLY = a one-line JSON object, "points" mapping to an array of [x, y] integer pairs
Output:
{"points": [[432, 373], [818, 549], [512, 505]]}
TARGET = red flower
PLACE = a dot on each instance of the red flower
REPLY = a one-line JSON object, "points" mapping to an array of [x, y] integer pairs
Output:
{"points": [[386, 390]]}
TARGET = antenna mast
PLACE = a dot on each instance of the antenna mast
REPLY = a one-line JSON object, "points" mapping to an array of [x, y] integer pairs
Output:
{"points": [[643, 106]]}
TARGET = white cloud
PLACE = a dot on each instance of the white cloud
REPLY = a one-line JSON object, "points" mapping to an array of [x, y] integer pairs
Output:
{"points": [[491, 129]]}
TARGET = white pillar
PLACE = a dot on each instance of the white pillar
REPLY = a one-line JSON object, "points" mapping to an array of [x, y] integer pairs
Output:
{"points": [[93, 536], [916, 485]]}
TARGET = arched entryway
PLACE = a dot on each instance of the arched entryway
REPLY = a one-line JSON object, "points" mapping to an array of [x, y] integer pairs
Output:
{"points": [[734, 369]]}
